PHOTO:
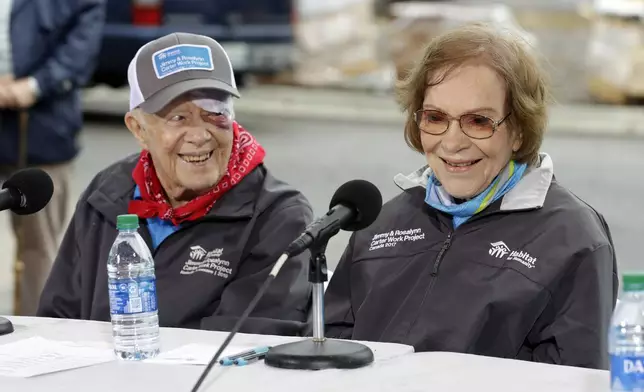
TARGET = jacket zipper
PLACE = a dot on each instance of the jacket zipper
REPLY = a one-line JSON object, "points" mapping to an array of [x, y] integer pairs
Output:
{"points": [[448, 241], [446, 244]]}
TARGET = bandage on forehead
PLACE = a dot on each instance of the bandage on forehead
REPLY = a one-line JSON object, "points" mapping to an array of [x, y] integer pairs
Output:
{"points": [[213, 101]]}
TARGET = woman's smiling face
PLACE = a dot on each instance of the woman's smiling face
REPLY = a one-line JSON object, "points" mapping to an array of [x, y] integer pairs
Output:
{"points": [[466, 166]]}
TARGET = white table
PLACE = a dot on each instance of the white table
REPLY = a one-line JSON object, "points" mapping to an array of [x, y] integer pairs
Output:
{"points": [[396, 368]]}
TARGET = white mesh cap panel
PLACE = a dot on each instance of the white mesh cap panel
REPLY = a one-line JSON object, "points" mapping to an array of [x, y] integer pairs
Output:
{"points": [[136, 96]]}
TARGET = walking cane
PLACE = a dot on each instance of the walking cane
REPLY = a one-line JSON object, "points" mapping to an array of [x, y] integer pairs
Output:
{"points": [[19, 266]]}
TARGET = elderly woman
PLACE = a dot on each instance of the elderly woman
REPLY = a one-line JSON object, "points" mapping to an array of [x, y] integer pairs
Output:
{"points": [[483, 252], [213, 215]]}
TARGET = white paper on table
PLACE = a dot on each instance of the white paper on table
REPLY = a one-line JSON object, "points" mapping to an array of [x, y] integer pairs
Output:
{"points": [[195, 354], [35, 356]]}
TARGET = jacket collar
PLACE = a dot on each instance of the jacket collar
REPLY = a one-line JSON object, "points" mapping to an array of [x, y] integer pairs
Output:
{"points": [[529, 193], [115, 188]]}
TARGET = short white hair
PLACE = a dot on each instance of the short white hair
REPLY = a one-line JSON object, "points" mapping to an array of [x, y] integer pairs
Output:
{"points": [[140, 115]]}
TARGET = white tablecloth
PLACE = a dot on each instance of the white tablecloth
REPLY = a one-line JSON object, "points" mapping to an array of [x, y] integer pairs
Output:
{"points": [[396, 368]]}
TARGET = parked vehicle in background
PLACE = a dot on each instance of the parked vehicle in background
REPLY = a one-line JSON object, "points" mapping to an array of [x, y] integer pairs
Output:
{"points": [[257, 34]]}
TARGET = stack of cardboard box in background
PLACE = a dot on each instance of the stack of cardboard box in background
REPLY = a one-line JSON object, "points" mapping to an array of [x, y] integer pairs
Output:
{"points": [[563, 33], [616, 51], [593, 49], [413, 24], [339, 45]]}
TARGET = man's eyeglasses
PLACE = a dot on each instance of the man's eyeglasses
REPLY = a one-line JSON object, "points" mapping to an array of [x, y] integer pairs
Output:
{"points": [[476, 126]]}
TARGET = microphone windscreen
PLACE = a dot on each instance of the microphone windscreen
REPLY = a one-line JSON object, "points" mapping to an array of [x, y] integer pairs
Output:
{"points": [[36, 187], [362, 196]]}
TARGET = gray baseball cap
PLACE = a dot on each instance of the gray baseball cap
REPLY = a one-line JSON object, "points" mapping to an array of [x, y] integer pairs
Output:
{"points": [[175, 64]]}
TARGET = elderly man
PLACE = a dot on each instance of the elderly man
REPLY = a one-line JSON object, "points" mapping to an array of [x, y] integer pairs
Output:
{"points": [[204, 198]]}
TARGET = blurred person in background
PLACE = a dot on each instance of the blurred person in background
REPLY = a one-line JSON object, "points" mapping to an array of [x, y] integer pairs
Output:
{"points": [[47, 53], [484, 252], [214, 216]]}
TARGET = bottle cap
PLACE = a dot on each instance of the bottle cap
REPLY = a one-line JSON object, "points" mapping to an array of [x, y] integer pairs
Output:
{"points": [[633, 281], [127, 222]]}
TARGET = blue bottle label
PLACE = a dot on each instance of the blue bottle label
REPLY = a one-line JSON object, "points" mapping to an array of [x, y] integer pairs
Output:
{"points": [[627, 373], [131, 296]]}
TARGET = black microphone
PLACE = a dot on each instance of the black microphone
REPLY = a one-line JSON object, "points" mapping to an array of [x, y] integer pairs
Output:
{"points": [[26, 192], [354, 206]]}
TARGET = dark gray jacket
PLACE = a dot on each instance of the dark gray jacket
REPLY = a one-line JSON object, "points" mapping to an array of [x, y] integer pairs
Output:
{"points": [[532, 277], [249, 227]]}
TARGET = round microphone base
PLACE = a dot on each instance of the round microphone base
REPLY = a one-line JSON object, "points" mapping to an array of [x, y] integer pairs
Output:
{"points": [[313, 355], [5, 326]]}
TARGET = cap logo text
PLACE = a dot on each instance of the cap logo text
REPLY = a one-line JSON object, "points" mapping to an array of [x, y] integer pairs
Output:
{"points": [[178, 58]]}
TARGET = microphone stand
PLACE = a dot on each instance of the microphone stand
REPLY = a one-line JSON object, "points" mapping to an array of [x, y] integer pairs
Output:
{"points": [[319, 352]]}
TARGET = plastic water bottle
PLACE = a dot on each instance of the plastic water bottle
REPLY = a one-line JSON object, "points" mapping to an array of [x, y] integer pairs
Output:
{"points": [[132, 291], [626, 338]]}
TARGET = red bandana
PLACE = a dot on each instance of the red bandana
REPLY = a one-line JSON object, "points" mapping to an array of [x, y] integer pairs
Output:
{"points": [[246, 154]]}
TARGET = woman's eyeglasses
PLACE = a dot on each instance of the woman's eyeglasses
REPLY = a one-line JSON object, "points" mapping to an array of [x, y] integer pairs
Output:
{"points": [[476, 126]]}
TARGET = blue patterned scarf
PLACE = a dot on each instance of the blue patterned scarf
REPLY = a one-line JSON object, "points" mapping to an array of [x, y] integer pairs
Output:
{"points": [[438, 198]]}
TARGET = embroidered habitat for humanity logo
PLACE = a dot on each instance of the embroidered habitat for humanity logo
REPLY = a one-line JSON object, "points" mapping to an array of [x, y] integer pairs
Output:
{"points": [[200, 260], [197, 253], [500, 250]]}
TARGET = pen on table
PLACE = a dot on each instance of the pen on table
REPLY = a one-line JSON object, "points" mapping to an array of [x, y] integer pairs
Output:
{"points": [[249, 359], [229, 360]]}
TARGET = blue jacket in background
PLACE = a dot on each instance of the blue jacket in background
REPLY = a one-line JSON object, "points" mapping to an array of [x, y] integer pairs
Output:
{"points": [[57, 42]]}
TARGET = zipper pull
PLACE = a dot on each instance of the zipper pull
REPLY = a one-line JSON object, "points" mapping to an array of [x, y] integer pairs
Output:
{"points": [[446, 244]]}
